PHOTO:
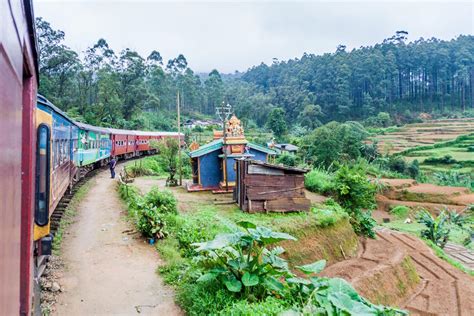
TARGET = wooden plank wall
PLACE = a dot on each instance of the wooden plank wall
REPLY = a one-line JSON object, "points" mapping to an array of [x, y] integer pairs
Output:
{"points": [[269, 192]]}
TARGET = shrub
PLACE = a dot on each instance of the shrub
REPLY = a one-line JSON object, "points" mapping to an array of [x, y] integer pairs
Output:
{"points": [[287, 159], [353, 189], [437, 229], [397, 164], [446, 160], [413, 169], [151, 223], [164, 201], [319, 181], [355, 192]]}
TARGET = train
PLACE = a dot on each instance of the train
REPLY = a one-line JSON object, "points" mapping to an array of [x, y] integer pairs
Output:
{"points": [[44, 154]]}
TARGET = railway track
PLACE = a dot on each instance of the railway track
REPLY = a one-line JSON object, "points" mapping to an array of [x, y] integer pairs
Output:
{"points": [[58, 213]]}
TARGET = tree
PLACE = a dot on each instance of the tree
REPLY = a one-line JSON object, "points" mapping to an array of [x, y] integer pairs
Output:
{"points": [[214, 88], [276, 122], [310, 116]]}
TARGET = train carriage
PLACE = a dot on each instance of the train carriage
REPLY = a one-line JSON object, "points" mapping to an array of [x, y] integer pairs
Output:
{"points": [[94, 146], [123, 143], [18, 84]]}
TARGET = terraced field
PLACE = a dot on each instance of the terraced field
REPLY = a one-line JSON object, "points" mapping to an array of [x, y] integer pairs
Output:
{"points": [[421, 134]]}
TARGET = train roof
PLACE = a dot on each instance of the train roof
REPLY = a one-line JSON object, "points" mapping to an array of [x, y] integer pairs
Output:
{"points": [[45, 102], [141, 133], [92, 127]]}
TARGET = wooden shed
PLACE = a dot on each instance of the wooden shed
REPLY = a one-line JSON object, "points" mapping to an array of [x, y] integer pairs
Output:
{"points": [[265, 187]]}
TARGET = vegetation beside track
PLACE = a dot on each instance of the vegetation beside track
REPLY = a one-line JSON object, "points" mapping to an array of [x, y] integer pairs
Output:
{"points": [[184, 267]]}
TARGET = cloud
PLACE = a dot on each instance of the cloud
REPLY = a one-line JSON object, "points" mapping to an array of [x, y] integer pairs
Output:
{"points": [[232, 36]]}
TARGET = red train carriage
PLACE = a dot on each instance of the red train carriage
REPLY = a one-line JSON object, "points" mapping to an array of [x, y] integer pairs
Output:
{"points": [[18, 84], [143, 142], [123, 143]]}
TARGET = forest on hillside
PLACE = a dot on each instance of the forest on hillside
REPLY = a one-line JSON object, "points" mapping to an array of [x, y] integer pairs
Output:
{"points": [[126, 90]]}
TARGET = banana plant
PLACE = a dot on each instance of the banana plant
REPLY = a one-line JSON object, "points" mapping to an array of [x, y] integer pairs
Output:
{"points": [[437, 229]]}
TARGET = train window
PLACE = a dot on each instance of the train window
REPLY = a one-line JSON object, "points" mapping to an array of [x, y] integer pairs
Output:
{"points": [[42, 176]]}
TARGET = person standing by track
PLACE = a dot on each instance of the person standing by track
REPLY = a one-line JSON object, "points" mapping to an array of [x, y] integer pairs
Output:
{"points": [[112, 164]]}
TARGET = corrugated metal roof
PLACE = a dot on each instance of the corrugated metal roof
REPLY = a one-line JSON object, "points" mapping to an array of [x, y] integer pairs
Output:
{"points": [[281, 167], [262, 148], [217, 144], [205, 149]]}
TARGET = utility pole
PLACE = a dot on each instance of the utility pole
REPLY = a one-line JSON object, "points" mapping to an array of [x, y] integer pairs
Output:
{"points": [[223, 112], [179, 142]]}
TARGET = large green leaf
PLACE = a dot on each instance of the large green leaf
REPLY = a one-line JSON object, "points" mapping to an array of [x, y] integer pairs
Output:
{"points": [[249, 279], [345, 303], [207, 277], [314, 267], [273, 284], [267, 236], [340, 285], [296, 280], [246, 224], [233, 285], [221, 241]]}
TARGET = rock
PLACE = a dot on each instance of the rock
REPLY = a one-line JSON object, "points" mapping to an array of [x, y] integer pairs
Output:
{"points": [[46, 285], [55, 287], [407, 221]]}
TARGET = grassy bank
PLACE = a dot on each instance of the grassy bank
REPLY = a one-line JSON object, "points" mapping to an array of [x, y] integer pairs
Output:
{"points": [[198, 294]]}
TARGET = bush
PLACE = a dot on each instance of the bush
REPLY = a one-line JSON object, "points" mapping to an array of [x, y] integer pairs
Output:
{"points": [[319, 181], [355, 192], [353, 189], [413, 169], [151, 223], [445, 160], [164, 201], [397, 164], [287, 159]]}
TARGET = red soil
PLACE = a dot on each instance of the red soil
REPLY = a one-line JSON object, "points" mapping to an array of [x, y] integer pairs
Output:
{"points": [[423, 195], [381, 268]]}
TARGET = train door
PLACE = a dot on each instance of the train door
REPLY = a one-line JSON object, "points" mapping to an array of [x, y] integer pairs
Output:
{"points": [[42, 177]]}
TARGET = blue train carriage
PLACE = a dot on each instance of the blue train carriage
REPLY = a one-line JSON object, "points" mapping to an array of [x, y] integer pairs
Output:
{"points": [[56, 135], [94, 147]]}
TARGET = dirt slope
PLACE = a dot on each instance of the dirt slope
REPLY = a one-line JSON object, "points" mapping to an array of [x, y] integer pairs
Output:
{"points": [[107, 270], [443, 289]]}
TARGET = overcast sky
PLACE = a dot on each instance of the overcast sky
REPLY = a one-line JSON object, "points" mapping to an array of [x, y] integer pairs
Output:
{"points": [[233, 35]]}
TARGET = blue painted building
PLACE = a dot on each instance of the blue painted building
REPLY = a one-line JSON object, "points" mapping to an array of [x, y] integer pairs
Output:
{"points": [[209, 172]]}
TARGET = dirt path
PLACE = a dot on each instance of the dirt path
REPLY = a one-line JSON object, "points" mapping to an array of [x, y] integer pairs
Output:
{"points": [[108, 271]]}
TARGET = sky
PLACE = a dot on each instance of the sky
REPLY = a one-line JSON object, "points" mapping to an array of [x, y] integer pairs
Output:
{"points": [[236, 35]]}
